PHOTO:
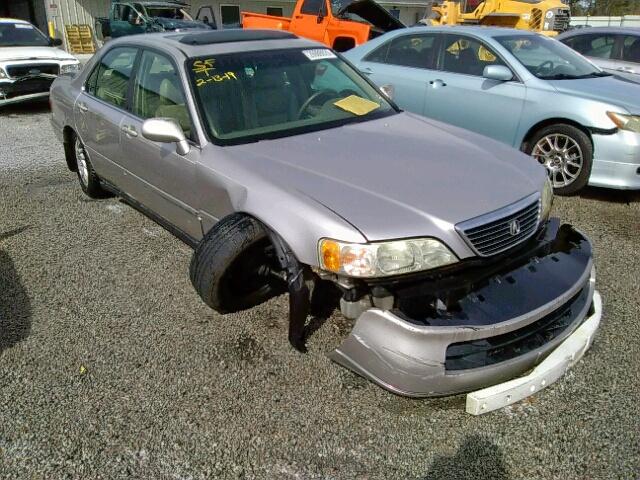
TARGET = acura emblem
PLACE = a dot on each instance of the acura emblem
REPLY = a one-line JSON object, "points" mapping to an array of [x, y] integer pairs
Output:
{"points": [[514, 228]]}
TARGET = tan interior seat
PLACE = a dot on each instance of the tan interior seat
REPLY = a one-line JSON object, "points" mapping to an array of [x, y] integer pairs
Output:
{"points": [[172, 104]]}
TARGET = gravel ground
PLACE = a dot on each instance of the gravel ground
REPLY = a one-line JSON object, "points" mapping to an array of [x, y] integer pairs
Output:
{"points": [[111, 366]]}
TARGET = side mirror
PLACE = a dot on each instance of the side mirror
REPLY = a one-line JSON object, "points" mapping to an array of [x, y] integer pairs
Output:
{"points": [[55, 42], [497, 72], [388, 91], [320, 17], [166, 130]]}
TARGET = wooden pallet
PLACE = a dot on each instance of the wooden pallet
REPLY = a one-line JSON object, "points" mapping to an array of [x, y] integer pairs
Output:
{"points": [[80, 38]]}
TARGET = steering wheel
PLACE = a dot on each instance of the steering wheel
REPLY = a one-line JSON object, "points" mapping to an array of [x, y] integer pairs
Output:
{"points": [[325, 95], [546, 65]]}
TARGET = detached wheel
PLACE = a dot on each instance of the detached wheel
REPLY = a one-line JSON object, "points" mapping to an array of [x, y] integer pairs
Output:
{"points": [[567, 153], [89, 180], [233, 267]]}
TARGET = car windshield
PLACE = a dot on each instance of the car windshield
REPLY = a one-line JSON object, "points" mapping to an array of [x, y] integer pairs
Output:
{"points": [[251, 96], [549, 59], [168, 12], [21, 35]]}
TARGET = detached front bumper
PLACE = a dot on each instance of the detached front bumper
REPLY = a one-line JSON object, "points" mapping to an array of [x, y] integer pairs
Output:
{"points": [[502, 327], [25, 88]]}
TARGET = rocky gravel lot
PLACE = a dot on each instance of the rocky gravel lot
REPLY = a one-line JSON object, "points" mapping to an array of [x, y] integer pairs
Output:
{"points": [[111, 367]]}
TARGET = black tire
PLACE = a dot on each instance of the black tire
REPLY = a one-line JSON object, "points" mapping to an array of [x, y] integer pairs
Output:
{"points": [[231, 267], [558, 174], [87, 177]]}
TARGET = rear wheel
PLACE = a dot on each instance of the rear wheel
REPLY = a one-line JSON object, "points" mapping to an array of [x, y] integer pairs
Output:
{"points": [[89, 181], [567, 154]]}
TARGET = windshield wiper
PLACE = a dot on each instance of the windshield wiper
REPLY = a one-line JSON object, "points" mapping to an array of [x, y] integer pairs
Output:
{"points": [[566, 76]]}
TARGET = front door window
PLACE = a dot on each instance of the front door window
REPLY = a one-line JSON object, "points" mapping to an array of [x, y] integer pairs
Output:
{"points": [[158, 91]]}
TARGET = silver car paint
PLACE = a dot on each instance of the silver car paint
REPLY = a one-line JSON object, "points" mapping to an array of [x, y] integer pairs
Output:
{"points": [[417, 353], [401, 176], [338, 183], [621, 68], [489, 107]]}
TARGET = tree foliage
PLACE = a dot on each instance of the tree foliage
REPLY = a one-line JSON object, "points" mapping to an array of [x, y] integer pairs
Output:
{"points": [[604, 7]]}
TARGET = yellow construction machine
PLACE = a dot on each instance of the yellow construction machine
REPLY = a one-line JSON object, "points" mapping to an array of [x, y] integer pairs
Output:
{"points": [[548, 17]]}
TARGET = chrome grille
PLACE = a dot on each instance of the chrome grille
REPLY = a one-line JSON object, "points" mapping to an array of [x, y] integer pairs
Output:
{"points": [[17, 71], [498, 231]]}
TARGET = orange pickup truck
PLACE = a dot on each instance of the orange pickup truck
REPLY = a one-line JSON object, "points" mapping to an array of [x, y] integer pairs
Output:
{"points": [[340, 24]]}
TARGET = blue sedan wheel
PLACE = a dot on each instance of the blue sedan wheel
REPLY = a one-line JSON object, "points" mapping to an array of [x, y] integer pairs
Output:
{"points": [[566, 152]]}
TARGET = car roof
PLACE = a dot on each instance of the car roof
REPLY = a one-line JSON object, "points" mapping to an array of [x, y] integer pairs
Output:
{"points": [[478, 30], [592, 30], [212, 42], [13, 20]]}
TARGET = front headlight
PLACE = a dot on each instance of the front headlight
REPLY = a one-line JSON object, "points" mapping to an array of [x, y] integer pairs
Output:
{"points": [[546, 201], [3, 74], [383, 259], [625, 122], [71, 68]]}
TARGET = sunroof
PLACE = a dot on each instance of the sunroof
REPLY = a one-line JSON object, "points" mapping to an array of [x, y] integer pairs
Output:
{"points": [[235, 35]]}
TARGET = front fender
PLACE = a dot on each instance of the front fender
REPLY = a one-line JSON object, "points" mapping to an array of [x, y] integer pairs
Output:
{"points": [[299, 220]]}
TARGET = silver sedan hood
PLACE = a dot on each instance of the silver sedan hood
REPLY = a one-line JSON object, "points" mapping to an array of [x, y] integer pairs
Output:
{"points": [[611, 90], [400, 176]]}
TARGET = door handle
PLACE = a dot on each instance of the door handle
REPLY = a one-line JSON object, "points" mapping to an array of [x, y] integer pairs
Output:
{"points": [[129, 130], [437, 83], [83, 107], [298, 17]]}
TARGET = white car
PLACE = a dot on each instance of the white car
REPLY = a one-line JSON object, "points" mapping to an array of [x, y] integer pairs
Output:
{"points": [[29, 62]]}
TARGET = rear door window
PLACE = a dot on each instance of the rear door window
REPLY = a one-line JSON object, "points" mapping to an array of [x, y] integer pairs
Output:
{"points": [[466, 55], [417, 51], [593, 45], [631, 49], [113, 75]]}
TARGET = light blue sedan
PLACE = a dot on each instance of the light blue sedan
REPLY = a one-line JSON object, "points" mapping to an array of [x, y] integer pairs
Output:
{"points": [[521, 88]]}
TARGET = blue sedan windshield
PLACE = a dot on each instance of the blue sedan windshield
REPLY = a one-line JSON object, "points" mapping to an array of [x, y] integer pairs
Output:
{"points": [[549, 59]]}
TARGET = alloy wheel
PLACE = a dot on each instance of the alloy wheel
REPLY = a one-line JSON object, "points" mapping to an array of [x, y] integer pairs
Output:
{"points": [[81, 158], [562, 156]]}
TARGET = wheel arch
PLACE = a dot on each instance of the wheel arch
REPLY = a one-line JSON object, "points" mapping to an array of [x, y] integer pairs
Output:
{"points": [[343, 43], [552, 121], [68, 136]]}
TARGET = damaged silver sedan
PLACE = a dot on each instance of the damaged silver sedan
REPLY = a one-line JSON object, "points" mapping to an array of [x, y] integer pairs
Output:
{"points": [[287, 170]]}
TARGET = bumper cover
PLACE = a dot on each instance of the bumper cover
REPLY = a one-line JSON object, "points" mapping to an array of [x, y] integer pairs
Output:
{"points": [[25, 89], [616, 162], [548, 371], [504, 327]]}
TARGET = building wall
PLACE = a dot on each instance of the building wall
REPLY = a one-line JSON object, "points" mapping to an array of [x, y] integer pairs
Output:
{"points": [[624, 21], [68, 12]]}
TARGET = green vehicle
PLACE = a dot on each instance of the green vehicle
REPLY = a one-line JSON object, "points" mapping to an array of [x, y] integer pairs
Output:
{"points": [[145, 16]]}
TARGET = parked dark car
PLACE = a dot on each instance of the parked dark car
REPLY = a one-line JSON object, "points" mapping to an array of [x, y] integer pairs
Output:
{"points": [[614, 49]]}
